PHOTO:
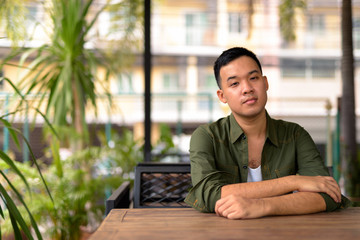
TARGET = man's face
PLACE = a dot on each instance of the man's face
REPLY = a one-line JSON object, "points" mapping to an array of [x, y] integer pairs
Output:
{"points": [[243, 87]]}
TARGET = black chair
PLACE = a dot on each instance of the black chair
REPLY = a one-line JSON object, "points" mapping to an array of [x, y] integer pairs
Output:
{"points": [[156, 185], [120, 198]]}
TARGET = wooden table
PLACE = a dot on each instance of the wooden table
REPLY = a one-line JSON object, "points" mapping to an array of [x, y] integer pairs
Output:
{"points": [[186, 223]]}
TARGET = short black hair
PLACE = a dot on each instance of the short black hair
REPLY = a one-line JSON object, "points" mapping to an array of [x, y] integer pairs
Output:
{"points": [[230, 55]]}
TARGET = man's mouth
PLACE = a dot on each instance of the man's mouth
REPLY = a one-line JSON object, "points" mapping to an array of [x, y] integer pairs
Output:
{"points": [[250, 100]]}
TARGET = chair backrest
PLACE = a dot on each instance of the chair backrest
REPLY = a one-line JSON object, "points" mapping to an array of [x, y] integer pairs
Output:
{"points": [[161, 185], [120, 198]]}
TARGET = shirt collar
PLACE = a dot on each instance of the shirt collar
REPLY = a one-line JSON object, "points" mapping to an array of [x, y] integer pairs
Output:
{"points": [[235, 129], [271, 131]]}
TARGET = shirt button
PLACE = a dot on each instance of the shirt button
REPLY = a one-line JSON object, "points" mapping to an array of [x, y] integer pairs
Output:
{"points": [[244, 137], [244, 167]]}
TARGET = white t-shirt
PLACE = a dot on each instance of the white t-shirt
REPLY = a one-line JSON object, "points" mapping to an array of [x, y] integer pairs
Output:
{"points": [[254, 174]]}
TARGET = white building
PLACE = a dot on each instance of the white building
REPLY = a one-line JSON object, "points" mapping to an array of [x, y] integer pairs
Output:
{"points": [[187, 36]]}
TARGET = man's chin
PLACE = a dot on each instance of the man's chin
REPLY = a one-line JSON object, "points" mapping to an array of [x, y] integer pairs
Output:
{"points": [[251, 114]]}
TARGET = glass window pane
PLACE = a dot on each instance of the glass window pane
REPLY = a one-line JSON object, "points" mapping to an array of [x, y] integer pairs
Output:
{"points": [[170, 82], [323, 68], [235, 22], [316, 23], [291, 68], [356, 32], [196, 28]]}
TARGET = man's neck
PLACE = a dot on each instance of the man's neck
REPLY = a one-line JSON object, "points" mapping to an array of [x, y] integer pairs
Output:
{"points": [[255, 126]]}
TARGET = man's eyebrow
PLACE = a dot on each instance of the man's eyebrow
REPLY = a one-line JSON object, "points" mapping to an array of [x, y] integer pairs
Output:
{"points": [[249, 73], [230, 78], [253, 71]]}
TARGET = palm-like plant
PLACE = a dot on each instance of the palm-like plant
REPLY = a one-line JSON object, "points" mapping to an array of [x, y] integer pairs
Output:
{"points": [[11, 199], [62, 73], [78, 192], [287, 14]]}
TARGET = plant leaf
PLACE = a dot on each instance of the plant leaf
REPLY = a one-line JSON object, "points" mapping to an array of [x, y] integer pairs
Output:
{"points": [[33, 223], [17, 233], [10, 162], [15, 214], [37, 166], [12, 133], [2, 214]]}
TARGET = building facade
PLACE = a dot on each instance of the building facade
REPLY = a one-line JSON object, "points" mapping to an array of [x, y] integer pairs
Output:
{"points": [[186, 38]]}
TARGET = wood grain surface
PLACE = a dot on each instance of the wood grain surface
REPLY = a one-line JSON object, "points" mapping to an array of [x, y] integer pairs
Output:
{"points": [[186, 223]]}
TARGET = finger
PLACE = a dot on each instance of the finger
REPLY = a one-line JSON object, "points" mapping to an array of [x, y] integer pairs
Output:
{"points": [[334, 192], [336, 189], [227, 211], [331, 188], [218, 204], [221, 212], [223, 205], [234, 215], [219, 207]]}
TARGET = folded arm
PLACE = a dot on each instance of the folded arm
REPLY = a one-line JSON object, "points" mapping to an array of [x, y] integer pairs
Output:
{"points": [[258, 199], [281, 186], [237, 207]]}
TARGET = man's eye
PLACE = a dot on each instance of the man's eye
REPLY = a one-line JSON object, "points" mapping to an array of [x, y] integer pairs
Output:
{"points": [[234, 84], [254, 78]]}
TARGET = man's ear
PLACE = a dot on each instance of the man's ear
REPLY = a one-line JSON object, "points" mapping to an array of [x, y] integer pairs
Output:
{"points": [[266, 82], [221, 96]]}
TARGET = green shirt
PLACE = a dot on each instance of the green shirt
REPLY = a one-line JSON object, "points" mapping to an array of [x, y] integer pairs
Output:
{"points": [[219, 156]]}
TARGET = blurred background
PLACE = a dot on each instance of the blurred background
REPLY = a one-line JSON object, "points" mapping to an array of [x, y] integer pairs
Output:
{"points": [[86, 84], [303, 67]]}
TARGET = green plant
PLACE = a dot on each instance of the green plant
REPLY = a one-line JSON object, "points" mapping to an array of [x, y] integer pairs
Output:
{"points": [[121, 151], [13, 14], [10, 195], [78, 185], [63, 72], [287, 14]]}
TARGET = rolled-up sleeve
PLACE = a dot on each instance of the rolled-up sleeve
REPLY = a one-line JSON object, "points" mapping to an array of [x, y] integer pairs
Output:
{"points": [[311, 164], [207, 177]]}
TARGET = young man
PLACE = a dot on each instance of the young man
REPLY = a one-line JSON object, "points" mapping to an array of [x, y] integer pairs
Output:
{"points": [[248, 165]]}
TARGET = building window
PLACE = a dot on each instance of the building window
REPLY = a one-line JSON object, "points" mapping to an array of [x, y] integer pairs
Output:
{"points": [[208, 84], [124, 83], [316, 24], [207, 87], [235, 23], [308, 68], [323, 68], [170, 82], [196, 26], [291, 68], [356, 32]]}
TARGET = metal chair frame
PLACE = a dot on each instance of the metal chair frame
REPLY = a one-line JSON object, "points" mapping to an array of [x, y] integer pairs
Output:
{"points": [[156, 185], [161, 185]]}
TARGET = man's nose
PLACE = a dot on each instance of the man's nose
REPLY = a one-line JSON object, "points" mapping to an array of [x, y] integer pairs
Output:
{"points": [[247, 87]]}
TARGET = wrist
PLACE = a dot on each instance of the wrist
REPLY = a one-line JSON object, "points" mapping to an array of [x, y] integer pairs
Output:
{"points": [[293, 183], [268, 208]]}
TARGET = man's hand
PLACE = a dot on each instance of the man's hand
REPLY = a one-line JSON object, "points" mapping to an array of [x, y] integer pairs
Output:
{"points": [[319, 184], [261, 201], [237, 207]]}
